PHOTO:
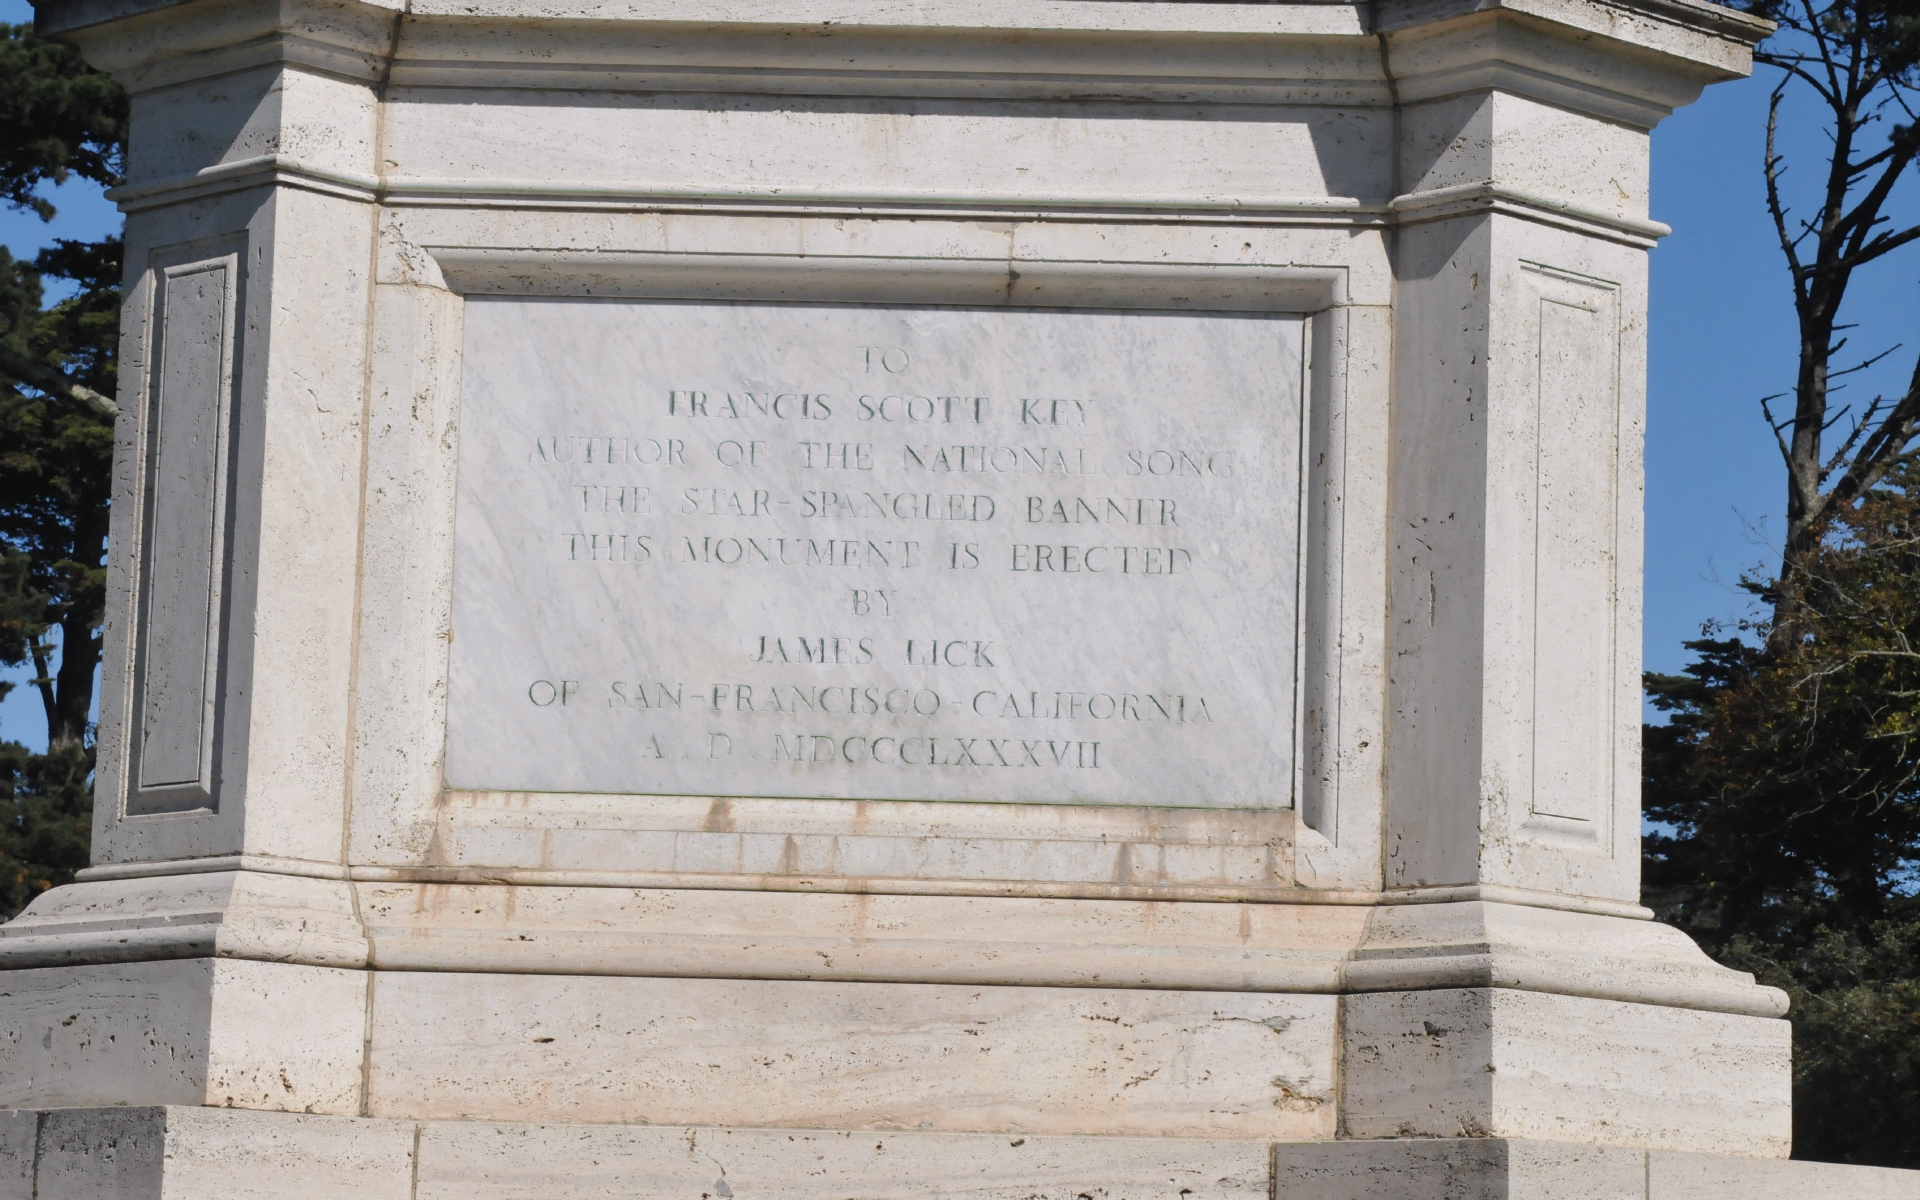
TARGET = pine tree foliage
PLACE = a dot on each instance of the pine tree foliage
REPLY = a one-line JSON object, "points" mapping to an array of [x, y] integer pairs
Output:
{"points": [[1784, 784], [1788, 780], [49, 798], [58, 119], [55, 467]]}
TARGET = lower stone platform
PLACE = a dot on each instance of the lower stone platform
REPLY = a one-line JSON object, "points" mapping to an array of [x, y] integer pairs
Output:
{"points": [[182, 1153], [1519, 1169]]}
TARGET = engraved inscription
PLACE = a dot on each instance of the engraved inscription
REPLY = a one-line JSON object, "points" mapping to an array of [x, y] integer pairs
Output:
{"points": [[744, 549]]}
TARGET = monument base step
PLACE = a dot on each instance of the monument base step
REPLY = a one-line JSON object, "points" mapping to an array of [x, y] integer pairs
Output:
{"points": [[181, 1153]]}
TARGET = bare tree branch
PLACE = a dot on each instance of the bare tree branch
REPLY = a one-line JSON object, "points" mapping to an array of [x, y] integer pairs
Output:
{"points": [[1845, 53], [1864, 363], [1773, 161], [25, 370], [1786, 451]]}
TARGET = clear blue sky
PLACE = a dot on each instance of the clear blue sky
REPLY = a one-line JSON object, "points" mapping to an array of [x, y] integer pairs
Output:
{"points": [[1721, 334]]}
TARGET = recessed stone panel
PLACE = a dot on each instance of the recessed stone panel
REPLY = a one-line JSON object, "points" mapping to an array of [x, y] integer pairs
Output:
{"points": [[186, 486], [927, 553]]}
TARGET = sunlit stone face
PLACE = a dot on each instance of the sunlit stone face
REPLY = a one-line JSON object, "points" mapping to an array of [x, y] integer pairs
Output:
{"points": [[794, 550]]}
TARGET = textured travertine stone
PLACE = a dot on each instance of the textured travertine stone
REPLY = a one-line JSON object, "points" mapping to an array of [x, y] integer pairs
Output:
{"points": [[177, 1153], [1515, 1169], [1060, 942], [1057, 849], [19, 1133], [1537, 949], [205, 914], [186, 1154], [1479, 1168], [876, 1056], [1489, 1062], [1516, 643], [827, 936], [1672, 1176], [478, 1161], [227, 1032], [1513, 137], [394, 271]]}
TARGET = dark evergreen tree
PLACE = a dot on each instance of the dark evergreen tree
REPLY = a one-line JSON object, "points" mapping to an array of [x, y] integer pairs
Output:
{"points": [[58, 119], [1788, 778], [1784, 781]]}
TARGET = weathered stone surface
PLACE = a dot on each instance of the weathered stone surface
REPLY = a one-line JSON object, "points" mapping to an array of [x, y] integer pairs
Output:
{"points": [[395, 269], [1476, 944], [1459, 1169], [203, 914], [708, 933], [174, 1152], [1516, 1169], [1674, 1176], [1488, 1062], [186, 1153], [365, 198], [19, 1130], [874, 1056], [230, 1032], [523, 1162]]}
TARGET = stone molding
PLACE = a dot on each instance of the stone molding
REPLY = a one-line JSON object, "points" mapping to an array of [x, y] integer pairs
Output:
{"points": [[1464, 200], [1470, 199], [239, 175], [1490, 945], [1183, 53], [244, 914], [286, 171], [1532, 50], [182, 40], [485, 270], [865, 886], [493, 922]]}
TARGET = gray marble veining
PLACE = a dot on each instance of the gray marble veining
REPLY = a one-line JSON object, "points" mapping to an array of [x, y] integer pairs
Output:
{"points": [[876, 552]]}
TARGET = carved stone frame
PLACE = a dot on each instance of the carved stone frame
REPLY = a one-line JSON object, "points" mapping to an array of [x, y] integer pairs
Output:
{"points": [[126, 694], [1316, 293]]}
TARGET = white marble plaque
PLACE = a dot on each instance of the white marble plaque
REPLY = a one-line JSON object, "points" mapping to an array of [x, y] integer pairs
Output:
{"points": [[750, 549]]}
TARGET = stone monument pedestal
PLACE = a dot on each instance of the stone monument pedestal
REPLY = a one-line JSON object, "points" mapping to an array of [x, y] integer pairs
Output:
{"points": [[188, 1151], [804, 601]]}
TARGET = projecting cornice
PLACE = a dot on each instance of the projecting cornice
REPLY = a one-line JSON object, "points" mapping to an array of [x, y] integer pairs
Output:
{"points": [[1627, 60], [334, 79]]}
